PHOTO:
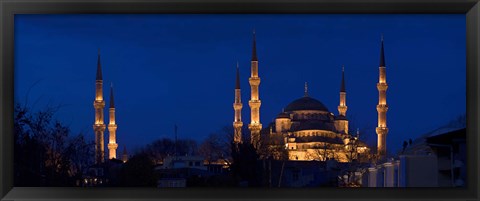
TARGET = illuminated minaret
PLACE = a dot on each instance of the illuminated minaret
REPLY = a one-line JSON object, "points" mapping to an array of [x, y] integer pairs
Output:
{"points": [[99, 125], [237, 106], [382, 106], [112, 129], [255, 126], [342, 107], [341, 122], [125, 155]]}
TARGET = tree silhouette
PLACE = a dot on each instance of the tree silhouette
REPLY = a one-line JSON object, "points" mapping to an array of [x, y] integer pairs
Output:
{"points": [[405, 144], [45, 153], [245, 166], [218, 146], [158, 150], [138, 171]]}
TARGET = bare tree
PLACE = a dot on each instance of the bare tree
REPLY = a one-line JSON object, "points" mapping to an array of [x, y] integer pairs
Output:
{"points": [[45, 149], [321, 152], [217, 146], [159, 149]]}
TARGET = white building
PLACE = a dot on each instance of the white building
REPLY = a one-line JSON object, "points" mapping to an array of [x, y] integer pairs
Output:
{"points": [[408, 171], [176, 162]]}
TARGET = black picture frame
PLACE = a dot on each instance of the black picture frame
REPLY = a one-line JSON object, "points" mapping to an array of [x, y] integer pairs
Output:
{"points": [[8, 9]]}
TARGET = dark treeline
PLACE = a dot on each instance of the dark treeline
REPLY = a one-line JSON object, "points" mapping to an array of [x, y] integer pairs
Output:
{"points": [[159, 149], [48, 153], [216, 146], [246, 166], [45, 151]]}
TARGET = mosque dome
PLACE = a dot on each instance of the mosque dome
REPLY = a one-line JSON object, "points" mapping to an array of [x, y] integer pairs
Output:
{"points": [[306, 103]]}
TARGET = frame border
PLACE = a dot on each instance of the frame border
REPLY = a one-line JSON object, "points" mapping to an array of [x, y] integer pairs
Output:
{"points": [[8, 9]]}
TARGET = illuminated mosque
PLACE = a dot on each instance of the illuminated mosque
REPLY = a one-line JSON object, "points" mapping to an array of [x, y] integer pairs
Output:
{"points": [[306, 128]]}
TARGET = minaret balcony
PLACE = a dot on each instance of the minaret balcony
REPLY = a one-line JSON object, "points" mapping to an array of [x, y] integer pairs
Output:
{"points": [[382, 86], [237, 106], [99, 104], [254, 103], [112, 145], [382, 108], [381, 130], [99, 127], [237, 124], [255, 126], [254, 81]]}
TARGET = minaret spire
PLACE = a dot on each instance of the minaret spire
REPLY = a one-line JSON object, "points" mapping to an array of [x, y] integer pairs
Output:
{"points": [[112, 101], [237, 106], [125, 154], [342, 87], [99, 124], [255, 126], [382, 55], [254, 49], [237, 83], [306, 89], [112, 128], [382, 107], [99, 67]]}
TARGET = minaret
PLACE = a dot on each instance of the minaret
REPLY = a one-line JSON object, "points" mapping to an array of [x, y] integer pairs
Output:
{"points": [[112, 129], [255, 126], [125, 155], [237, 106], [382, 106], [341, 122], [305, 90], [99, 125], [342, 107]]}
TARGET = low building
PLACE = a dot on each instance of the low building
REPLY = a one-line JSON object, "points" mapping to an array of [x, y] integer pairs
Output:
{"points": [[306, 173], [176, 162], [407, 171], [104, 174], [451, 151], [172, 183], [437, 159], [188, 171]]}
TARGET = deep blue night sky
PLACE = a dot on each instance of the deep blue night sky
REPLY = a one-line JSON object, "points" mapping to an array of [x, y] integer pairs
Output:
{"points": [[169, 69]]}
